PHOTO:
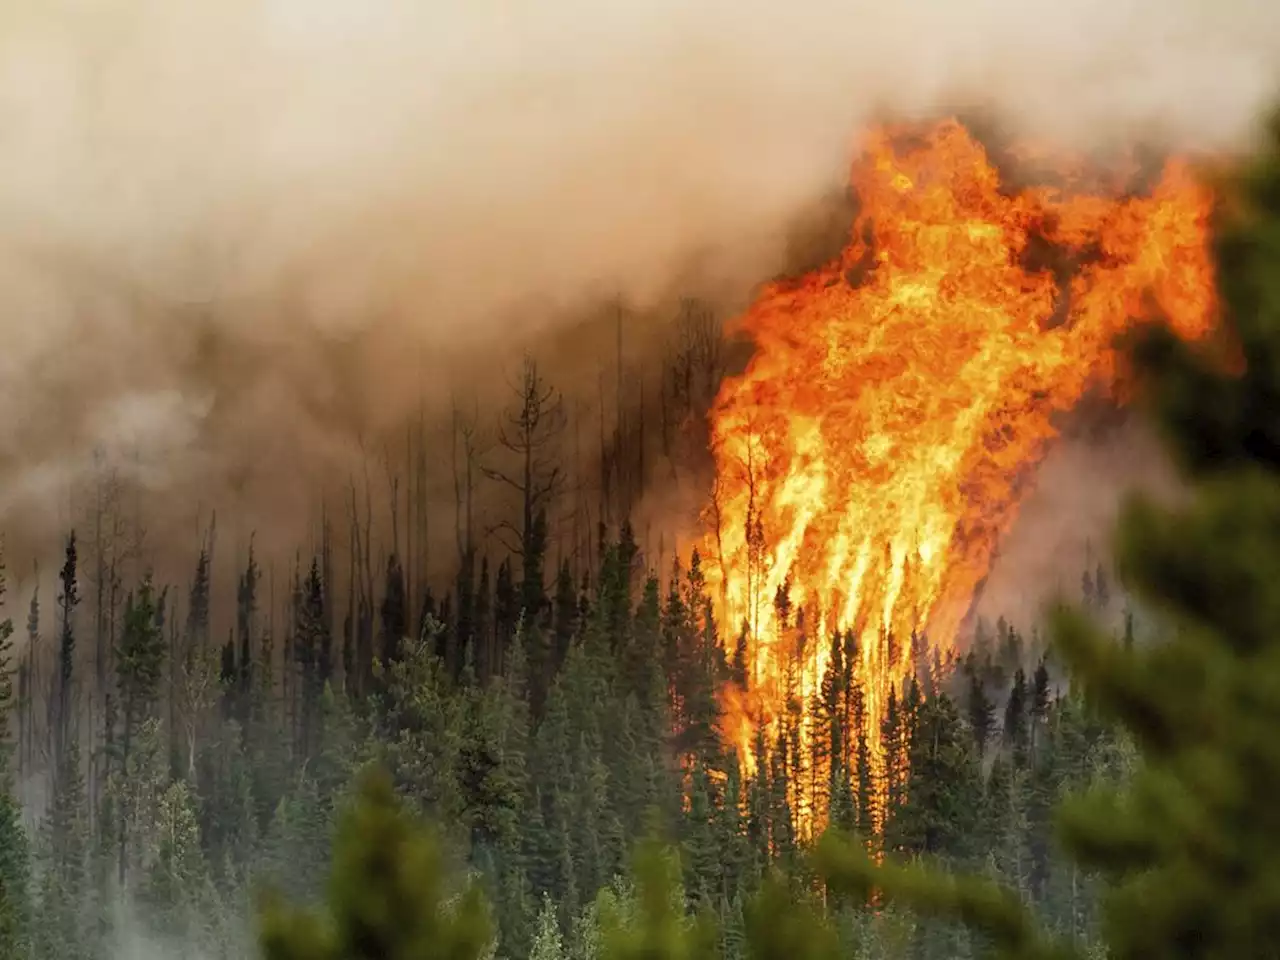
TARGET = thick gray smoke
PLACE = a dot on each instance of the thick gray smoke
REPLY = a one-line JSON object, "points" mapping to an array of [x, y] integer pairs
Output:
{"points": [[236, 235]]}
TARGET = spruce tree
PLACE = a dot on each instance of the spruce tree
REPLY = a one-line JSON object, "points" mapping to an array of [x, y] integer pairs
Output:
{"points": [[139, 670]]}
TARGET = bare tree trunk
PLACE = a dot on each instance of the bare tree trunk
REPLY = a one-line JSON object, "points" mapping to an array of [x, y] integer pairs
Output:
{"points": [[622, 481], [326, 573], [718, 519], [604, 459], [352, 635], [368, 533], [393, 491], [424, 516], [409, 561], [640, 441]]}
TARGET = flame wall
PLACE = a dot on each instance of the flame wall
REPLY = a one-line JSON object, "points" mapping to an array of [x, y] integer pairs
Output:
{"points": [[871, 455]]}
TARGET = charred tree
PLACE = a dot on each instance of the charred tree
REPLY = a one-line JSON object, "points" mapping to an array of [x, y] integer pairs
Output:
{"points": [[530, 433]]}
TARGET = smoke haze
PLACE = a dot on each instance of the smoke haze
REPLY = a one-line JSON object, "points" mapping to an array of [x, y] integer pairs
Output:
{"points": [[1066, 520], [237, 235]]}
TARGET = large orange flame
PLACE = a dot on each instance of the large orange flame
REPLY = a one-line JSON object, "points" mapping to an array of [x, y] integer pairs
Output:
{"points": [[870, 456]]}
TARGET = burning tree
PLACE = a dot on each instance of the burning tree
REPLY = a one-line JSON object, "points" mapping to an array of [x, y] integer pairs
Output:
{"points": [[873, 452], [1190, 847]]}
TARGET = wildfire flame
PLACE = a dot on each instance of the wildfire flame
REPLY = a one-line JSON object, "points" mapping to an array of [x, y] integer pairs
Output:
{"points": [[871, 454]]}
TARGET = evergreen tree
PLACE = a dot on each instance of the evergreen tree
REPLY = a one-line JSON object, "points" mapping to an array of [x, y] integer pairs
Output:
{"points": [[139, 669], [1016, 716], [62, 926], [176, 871], [246, 627], [387, 895], [943, 794], [981, 711], [62, 727], [548, 942], [313, 648]]}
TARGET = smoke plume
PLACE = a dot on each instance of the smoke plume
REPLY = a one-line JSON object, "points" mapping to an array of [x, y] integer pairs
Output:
{"points": [[1066, 522], [238, 235]]}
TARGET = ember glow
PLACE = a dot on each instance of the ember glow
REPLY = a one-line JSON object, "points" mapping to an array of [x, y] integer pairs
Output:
{"points": [[871, 455]]}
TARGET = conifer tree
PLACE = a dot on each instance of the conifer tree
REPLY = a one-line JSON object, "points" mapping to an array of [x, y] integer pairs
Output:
{"points": [[981, 712], [246, 628], [313, 648], [139, 669], [942, 796], [548, 942], [387, 895], [61, 713]]}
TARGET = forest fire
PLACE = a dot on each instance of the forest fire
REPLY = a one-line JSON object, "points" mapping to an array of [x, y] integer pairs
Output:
{"points": [[871, 454]]}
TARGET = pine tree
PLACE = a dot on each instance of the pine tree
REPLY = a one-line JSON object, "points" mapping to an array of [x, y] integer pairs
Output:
{"points": [[387, 895], [660, 928], [139, 670], [175, 877], [295, 845], [982, 712], [62, 929], [1016, 716], [548, 942], [246, 629], [870, 815], [62, 725], [312, 645], [701, 859], [943, 794], [893, 742]]}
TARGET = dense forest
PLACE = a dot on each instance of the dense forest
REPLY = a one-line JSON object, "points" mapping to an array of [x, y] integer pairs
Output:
{"points": [[549, 723], [1169, 850], [178, 747], [551, 717]]}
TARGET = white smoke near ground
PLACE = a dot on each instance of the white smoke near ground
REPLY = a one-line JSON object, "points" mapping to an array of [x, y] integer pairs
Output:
{"points": [[233, 235]]}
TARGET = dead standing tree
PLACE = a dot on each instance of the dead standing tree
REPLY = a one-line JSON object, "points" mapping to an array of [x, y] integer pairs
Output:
{"points": [[466, 447], [530, 431]]}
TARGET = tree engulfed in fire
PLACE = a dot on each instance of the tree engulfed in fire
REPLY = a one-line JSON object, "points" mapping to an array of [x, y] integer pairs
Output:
{"points": [[870, 456]]}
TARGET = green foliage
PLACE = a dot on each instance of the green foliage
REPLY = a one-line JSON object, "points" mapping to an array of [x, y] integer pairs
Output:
{"points": [[987, 906], [781, 925], [548, 942], [141, 653], [660, 930], [387, 899]]}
